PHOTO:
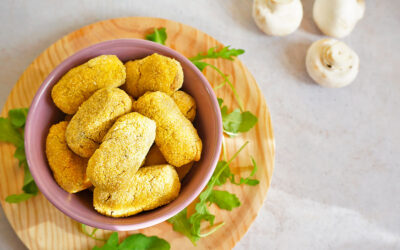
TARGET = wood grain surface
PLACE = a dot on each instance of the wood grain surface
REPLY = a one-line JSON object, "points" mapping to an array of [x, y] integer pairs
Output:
{"points": [[41, 226]]}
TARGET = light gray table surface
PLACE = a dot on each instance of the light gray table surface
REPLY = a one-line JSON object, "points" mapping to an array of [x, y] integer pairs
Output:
{"points": [[336, 181]]}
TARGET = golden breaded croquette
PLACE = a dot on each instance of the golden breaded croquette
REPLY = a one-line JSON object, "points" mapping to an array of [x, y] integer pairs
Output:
{"points": [[186, 104], [124, 148], [153, 73], [176, 137], [155, 157], [93, 119], [151, 187], [78, 84], [69, 169]]}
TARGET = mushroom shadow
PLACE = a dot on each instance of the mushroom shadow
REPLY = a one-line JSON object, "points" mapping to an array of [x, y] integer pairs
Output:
{"points": [[307, 24], [241, 12], [294, 61]]}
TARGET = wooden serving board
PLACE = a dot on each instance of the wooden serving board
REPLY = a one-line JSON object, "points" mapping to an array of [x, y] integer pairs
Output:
{"points": [[42, 226]]}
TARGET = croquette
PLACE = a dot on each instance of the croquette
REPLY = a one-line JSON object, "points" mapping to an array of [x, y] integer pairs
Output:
{"points": [[113, 166], [78, 84], [155, 157], [151, 187], [186, 104], [93, 119], [153, 73], [176, 137], [69, 169]]}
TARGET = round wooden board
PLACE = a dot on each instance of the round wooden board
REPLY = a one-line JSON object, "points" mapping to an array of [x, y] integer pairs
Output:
{"points": [[41, 226]]}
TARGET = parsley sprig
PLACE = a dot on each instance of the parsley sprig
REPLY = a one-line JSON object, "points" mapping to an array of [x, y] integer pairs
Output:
{"points": [[158, 36], [134, 242], [224, 53], [239, 120], [236, 122], [12, 131], [191, 226]]}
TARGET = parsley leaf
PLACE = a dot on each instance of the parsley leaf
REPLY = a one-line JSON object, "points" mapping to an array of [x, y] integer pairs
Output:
{"points": [[16, 198], [180, 223], [224, 53], [20, 155], [142, 242], [8, 133], [111, 244], [12, 131], [29, 184], [134, 242], [18, 117], [224, 199], [236, 121], [158, 36]]}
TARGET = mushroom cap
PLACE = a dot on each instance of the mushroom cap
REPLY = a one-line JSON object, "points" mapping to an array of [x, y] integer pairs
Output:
{"points": [[277, 17], [331, 63], [337, 18]]}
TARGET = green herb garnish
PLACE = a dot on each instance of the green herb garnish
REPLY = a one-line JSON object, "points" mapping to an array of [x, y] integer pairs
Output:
{"points": [[228, 175], [224, 53], [190, 227], [224, 199], [236, 121], [180, 223], [12, 131], [158, 36], [134, 242], [92, 234]]}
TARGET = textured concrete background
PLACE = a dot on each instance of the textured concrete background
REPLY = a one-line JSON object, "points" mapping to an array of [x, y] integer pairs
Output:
{"points": [[336, 181]]}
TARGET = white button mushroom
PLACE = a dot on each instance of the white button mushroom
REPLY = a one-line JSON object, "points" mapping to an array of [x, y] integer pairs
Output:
{"points": [[332, 63], [337, 18], [277, 17]]}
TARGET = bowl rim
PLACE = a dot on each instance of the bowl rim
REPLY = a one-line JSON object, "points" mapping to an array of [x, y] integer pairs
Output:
{"points": [[169, 213]]}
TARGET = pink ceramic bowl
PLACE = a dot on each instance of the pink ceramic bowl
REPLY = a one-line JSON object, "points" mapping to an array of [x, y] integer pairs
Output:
{"points": [[43, 113]]}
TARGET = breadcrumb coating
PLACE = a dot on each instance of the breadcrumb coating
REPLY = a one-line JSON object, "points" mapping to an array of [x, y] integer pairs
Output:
{"points": [[151, 187], [176, 137], [153, 73], [78, 84], [69, 169], [93, 119], [113, 166], [186, 104]]}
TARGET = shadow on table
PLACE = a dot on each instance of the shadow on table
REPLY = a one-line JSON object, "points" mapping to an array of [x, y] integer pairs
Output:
{"points": [[293, 61]]}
